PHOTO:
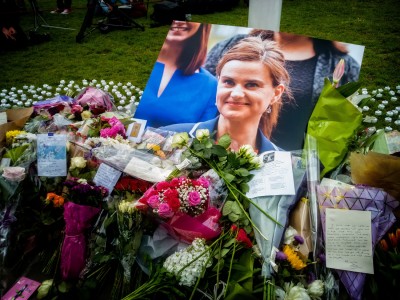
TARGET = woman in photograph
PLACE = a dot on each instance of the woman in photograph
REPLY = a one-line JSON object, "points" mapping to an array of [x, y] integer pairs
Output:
{"points": [[251, 81], [179, 90], [309, 61]]}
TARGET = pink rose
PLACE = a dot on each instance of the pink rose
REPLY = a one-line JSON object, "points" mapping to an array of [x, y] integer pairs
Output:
{"points": [[194, 198], [14, 174], [165, 211], [154, 201]]}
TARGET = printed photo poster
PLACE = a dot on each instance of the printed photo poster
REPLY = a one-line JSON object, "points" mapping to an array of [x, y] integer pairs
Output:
{"points": [[182, 87]]}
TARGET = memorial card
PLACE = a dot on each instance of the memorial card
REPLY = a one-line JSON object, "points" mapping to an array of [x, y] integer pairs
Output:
{"points": [[52, 154], [348, 240]]}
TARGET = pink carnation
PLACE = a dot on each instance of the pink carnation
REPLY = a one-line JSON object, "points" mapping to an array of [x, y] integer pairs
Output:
{"points": [[163, 185], [165, 211], [194, 198]]}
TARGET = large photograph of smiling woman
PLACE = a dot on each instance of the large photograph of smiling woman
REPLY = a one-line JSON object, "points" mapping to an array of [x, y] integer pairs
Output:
{"points": [[251, 82], [179, 90]]}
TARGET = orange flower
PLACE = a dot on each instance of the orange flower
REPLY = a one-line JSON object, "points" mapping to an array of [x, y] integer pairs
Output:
{"points": [[393, 240], [57, 200], [383, 245]]}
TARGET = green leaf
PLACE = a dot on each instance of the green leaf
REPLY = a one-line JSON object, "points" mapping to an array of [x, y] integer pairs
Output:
{"points": [[64, 287], [236, 208], [396, 267], [242, 172], [348, 89], [207, 153], [228, 177], [244, 188], [224, 141], [198, 146], [15, 153], [219, 151], [229, 243], [209, 144], [227, 209], [233, 217]]}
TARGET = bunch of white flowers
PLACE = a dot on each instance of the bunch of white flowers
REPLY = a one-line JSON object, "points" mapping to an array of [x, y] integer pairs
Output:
{"points": [[127, 207], [126, 96], [381, 107], [290, 291], [188, 264]]}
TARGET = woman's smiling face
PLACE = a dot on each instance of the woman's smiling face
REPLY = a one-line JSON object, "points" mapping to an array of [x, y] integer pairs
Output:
{"points": [[245, 91], [181, 30]]}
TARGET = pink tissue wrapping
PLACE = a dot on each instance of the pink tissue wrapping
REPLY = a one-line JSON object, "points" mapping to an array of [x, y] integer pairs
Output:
{"points": [[363, 198], [73, 253], [186, 228]]}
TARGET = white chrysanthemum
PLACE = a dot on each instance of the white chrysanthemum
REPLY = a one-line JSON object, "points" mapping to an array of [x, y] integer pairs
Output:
{"points": [[77, 162]]}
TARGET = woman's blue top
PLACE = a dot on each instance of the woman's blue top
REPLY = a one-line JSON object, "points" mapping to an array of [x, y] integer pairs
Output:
{"points": [[186, 98]]}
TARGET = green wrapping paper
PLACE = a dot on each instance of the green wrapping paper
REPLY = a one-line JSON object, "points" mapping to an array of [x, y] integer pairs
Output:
{"points": [[333, 123]]}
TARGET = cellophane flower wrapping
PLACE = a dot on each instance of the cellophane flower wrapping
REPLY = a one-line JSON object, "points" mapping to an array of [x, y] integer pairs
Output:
{"points": [[78, 218], [333, 123], [278, 207], [182, 207], [333, 194], [95, 100]]}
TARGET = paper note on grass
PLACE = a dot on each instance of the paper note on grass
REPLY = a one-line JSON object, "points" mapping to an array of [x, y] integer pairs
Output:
{"points": [[348, 240]]}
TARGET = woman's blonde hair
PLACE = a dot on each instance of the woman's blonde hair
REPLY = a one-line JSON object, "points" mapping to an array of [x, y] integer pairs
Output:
{"points": [[195, 50], [268, 53]]}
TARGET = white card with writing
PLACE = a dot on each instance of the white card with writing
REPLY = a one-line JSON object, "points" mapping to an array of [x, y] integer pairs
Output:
{"points": [[348, 240], [275, 177], [107, 177], [3, 117], [52, 154]]}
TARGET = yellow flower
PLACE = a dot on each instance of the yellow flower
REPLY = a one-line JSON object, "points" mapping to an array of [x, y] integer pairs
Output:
{"points": [[293, 258], [10, 135]]}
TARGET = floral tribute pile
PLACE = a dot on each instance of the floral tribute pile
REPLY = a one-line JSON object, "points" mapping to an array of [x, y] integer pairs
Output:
{"points": [[176, 223]]}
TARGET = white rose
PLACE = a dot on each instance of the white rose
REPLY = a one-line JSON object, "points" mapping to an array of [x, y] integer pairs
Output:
{"points": [[180, 139], [290, 232], [316, 289], [77, 162], [202, 134], [297, 293]]}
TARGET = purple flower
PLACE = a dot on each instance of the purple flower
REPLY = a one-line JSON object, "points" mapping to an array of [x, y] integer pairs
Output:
{"points": [[322, 258], [281, 256], [299, 239], [194, 198]]}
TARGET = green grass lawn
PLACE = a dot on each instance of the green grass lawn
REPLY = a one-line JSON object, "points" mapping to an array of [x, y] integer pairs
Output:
{"points": [[128, 55]]}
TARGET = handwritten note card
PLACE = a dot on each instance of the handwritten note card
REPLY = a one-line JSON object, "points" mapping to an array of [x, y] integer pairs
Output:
{"points": [[52, 154], [106, 176], [275, 177], [348, 240]]}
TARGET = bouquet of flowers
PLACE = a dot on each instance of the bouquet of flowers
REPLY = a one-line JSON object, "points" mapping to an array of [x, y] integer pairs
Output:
{"points": [[182, 205]]}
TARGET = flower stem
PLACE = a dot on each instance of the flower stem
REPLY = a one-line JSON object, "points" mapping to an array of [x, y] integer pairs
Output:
{"points": [[230, 266]]}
